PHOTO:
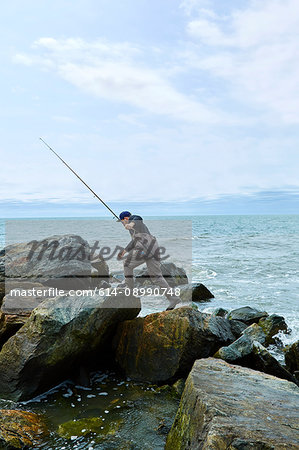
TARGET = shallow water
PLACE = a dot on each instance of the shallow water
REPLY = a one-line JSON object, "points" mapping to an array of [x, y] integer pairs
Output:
{"points": [[131, 415]]}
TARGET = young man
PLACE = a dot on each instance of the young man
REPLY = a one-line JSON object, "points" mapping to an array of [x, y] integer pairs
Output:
{"points": [[143, 248]]}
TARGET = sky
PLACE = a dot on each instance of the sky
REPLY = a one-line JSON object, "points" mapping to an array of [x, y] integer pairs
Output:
{"points": [[172, 106]]}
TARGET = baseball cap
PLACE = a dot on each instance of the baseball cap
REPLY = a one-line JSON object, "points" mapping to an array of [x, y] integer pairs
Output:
{"points": [[123, 215]]}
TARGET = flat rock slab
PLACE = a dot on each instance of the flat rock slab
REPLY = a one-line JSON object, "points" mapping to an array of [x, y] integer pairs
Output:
{"points": [[231, 407]]}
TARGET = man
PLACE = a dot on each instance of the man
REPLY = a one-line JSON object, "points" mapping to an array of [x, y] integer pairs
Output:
{"points": [[143, 248]]}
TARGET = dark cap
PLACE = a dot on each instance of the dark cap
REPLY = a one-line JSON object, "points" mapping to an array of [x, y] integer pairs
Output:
{"points": [[123, 215]]}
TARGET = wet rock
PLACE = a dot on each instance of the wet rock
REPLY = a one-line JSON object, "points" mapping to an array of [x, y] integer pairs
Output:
{"points": [[174, 275], [248, 352], [292, 358], [237, 327], [179, 386], [231, 407], [271, 326], [20, 429], [220, 312], [164, 345], [255, 332], [58, 335], [195, 292], [59, 261], [200, 293], [247, 315]]}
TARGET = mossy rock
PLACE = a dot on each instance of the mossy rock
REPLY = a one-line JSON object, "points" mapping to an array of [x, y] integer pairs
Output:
{"points": [[271, 326], [179, 386], [20, 429], [83, 427], [247, 315]]}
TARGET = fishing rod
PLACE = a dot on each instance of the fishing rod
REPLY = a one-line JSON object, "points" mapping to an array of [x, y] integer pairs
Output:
{"points": [[102, 201]]}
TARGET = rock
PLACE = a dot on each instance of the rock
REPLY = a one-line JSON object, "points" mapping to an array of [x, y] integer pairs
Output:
{"points": [[237, 327], [231, 407], [292, 357], [59, 261], [2, 291], [83, 427], [196, 292], [271, 326], [179, 386], [250, 353], [163, 346], [15, 310], [2, 275], [58, 335], [174, 275], [220, 312], [255, 332], [200, 293], [247, 315], [20, 429]]}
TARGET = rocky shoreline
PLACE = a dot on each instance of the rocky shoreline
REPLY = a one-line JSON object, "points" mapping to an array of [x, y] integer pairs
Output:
{"points": [[232, 377]]}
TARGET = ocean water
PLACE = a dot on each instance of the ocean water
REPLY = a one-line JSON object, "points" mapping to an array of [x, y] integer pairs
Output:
{"points": [[243, 260]]}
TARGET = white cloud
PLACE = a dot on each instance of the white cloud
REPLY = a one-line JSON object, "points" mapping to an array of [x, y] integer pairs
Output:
{"points": [[112, 71], [255, 50], [191, 6]]}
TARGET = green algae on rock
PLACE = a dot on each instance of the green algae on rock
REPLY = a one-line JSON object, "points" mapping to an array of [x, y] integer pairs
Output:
{"points": [[271, 325], [83, 427], [20, 429]]}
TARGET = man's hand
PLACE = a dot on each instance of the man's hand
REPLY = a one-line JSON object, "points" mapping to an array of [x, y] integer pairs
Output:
{"points": [[129, 226], [121, 254]]}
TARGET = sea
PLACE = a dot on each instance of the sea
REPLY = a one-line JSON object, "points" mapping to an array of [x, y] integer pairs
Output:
{"points": [[243, 260]]}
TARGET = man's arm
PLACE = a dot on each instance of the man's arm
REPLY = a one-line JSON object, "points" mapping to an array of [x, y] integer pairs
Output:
{"points": [[131, 244]]}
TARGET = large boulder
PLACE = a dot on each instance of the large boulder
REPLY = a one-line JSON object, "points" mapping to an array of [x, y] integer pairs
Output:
{"points": [[292, 358], [58, 335], [173, 274], [247, 315], [247, 351], [235, 408], [21, 429], [164, 345], [59, 261], [271, 325]]}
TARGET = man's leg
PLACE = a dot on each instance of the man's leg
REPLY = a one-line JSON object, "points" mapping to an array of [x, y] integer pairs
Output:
{"points": [[131, 261], [154, 270]]}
